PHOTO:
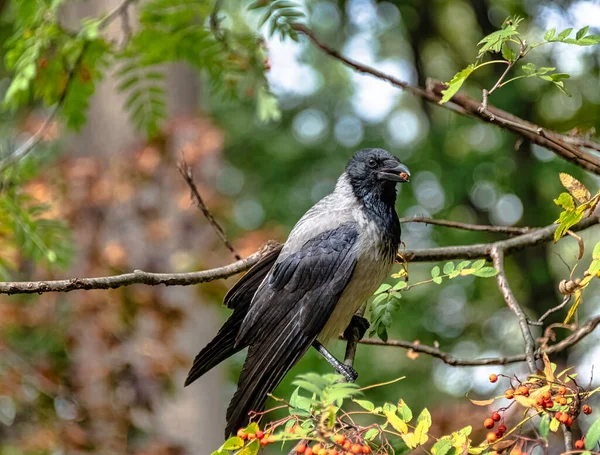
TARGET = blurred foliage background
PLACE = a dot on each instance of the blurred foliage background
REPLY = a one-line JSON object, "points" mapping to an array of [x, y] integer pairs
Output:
{"points": [[102, 371]]}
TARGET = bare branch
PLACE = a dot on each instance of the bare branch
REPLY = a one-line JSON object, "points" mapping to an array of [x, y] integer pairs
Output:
{"points": [[117, 11], [483, 250], [186, 173], [137, 277], [449, 359], [471, 107], [469, 227], [498, 260]]}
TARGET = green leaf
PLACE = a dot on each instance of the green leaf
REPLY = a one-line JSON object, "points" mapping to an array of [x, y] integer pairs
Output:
{"points": [[425, 416], [252, 428], [545, 426], [529, 68], [400, 285], [456, 83], [581, 32], [549, 35], [435, 272], [463, 264], [384, 287], [508, 53], [593, 435], [565, 200], [478, 264], [448, 268], [404, 411], [250, 449], [441, 447], [486, 272], [596, 252], [437, 280], [494, 41], [371, 434], [365, 404], [566, 32], [233, 443]]}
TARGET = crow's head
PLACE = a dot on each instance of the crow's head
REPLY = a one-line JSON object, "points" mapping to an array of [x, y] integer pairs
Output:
{"points": [[375, 171]]}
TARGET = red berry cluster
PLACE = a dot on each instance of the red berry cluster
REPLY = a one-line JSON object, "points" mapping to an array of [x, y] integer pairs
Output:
{"points": [[342, 446], [264, 438], [490, 422]]}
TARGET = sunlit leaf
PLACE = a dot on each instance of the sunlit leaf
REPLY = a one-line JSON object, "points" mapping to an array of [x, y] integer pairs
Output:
{"points": [[456, 83]]}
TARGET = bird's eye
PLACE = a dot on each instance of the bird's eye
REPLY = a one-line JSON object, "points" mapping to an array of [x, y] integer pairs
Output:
{"points": [[372, 162]]}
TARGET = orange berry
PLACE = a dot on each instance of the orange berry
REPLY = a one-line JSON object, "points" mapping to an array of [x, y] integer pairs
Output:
{"points": [[562, 390], [264, 442], [366, 449], [301, 448], [356, 448], [570, 421], [251, 437], [557, 415], [562, 401], [523, 390], [510, 394], [339, 438], [493, 377], [347, 445], [564, 418], [333, 452], [587, 410], [502, 428], [539, 401], [579, 444], [260, 434], [322, 452], [546, 395], [488, 423], [242, 434], [316, 448], [491, 437], [309, 451], [496, 417]]}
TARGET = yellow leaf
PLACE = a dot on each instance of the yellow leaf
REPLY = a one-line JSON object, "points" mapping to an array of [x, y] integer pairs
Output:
{"points": [[575, 187], [409, 440], [421, 433], [398, 424], [548, 368], [481, 402], [527, 402], [574, 307]]}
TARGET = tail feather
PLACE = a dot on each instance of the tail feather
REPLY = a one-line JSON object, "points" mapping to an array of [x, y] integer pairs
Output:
{"points": [[220, 348], [239, 298], [262, 373]]}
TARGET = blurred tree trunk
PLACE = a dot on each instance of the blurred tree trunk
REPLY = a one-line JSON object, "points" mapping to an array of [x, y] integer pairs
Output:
{"points": [[112, 374]]}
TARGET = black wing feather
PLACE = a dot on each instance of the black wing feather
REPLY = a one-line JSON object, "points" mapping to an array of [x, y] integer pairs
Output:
{"points": [[239, 298], [288, 311]]}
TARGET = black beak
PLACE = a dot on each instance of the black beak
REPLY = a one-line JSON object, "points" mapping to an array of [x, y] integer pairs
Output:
{"points": [[398, 173]]}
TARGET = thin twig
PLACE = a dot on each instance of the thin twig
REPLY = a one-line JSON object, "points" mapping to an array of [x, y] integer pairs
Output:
{"points": [[565, 301], [137, 277], [498, 260], [471, 107], [186, 173], [483, 250], [115, 12], [510, 230], [449, 359]]}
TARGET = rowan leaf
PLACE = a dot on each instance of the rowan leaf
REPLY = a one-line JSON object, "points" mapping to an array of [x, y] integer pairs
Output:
{"points": [[456, 83], [575, 187]]}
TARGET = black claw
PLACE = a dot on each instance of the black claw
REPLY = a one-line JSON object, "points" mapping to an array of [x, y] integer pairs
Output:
{"points": [[348, 372], [357, 328]]}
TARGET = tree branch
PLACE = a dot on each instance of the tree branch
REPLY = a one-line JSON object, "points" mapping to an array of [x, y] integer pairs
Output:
{"points": [[465, 105], [483, 250], [498, 260], [469, 227], [186, 173], [137, 277], [449, 359]]}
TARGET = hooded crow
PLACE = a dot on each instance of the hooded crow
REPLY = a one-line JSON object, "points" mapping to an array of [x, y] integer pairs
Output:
{"points": [[307, 292]]}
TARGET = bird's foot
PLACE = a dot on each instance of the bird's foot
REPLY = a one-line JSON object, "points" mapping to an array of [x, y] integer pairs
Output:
{"points": [[358, 327], [347, 371]]}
